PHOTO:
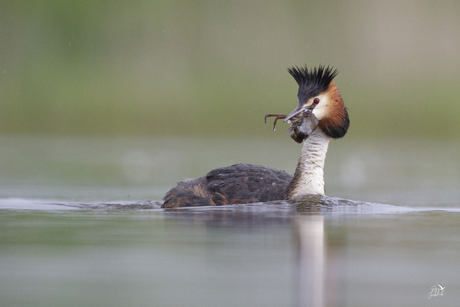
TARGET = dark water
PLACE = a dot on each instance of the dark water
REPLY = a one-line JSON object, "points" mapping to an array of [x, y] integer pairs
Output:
{"points": [[72, 235]]}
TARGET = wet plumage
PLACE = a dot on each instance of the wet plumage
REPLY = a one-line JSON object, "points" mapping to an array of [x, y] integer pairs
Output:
{"points": [[235, 184]]}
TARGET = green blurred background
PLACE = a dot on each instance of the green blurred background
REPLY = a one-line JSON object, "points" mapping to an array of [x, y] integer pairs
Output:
{"points": [[216, 67]]}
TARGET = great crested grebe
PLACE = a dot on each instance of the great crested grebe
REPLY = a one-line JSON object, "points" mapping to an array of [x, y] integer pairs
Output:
{"points": [[319, 117]]}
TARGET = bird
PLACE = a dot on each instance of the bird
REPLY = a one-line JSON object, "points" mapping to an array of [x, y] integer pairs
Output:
{"points": [[320, 116]]}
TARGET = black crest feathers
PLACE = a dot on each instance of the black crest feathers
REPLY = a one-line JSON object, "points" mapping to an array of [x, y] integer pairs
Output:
{"points": [[314, 81]]}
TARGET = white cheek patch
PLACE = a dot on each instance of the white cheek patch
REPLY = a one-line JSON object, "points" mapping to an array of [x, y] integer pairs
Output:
{"points": [[320, 111]]}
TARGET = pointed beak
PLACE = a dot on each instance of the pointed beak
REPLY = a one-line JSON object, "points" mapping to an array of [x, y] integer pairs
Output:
{"points": [[299, 110]]}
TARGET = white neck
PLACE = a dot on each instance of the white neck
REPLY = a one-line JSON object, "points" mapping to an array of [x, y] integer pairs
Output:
{"points": [[309, 174]]}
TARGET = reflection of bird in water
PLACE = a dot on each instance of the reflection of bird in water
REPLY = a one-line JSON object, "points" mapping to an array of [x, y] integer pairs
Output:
{"points": [[319, 116]]}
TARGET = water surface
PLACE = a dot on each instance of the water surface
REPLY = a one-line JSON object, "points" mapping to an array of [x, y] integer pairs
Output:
{"points": [[81, 226]]}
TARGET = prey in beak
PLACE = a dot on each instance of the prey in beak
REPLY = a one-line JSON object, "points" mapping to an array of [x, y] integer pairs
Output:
{"points": [[303, 121]]}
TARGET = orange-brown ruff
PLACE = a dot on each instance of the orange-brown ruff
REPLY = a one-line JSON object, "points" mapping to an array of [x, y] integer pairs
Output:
{"points": [[337, 115], [246, 183]]}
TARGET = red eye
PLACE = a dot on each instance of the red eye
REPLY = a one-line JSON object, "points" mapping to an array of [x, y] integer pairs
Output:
{"points": [[316, 101]]}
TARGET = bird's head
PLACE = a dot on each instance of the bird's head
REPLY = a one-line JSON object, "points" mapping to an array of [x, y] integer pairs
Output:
{"points": [[318, 93]]}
